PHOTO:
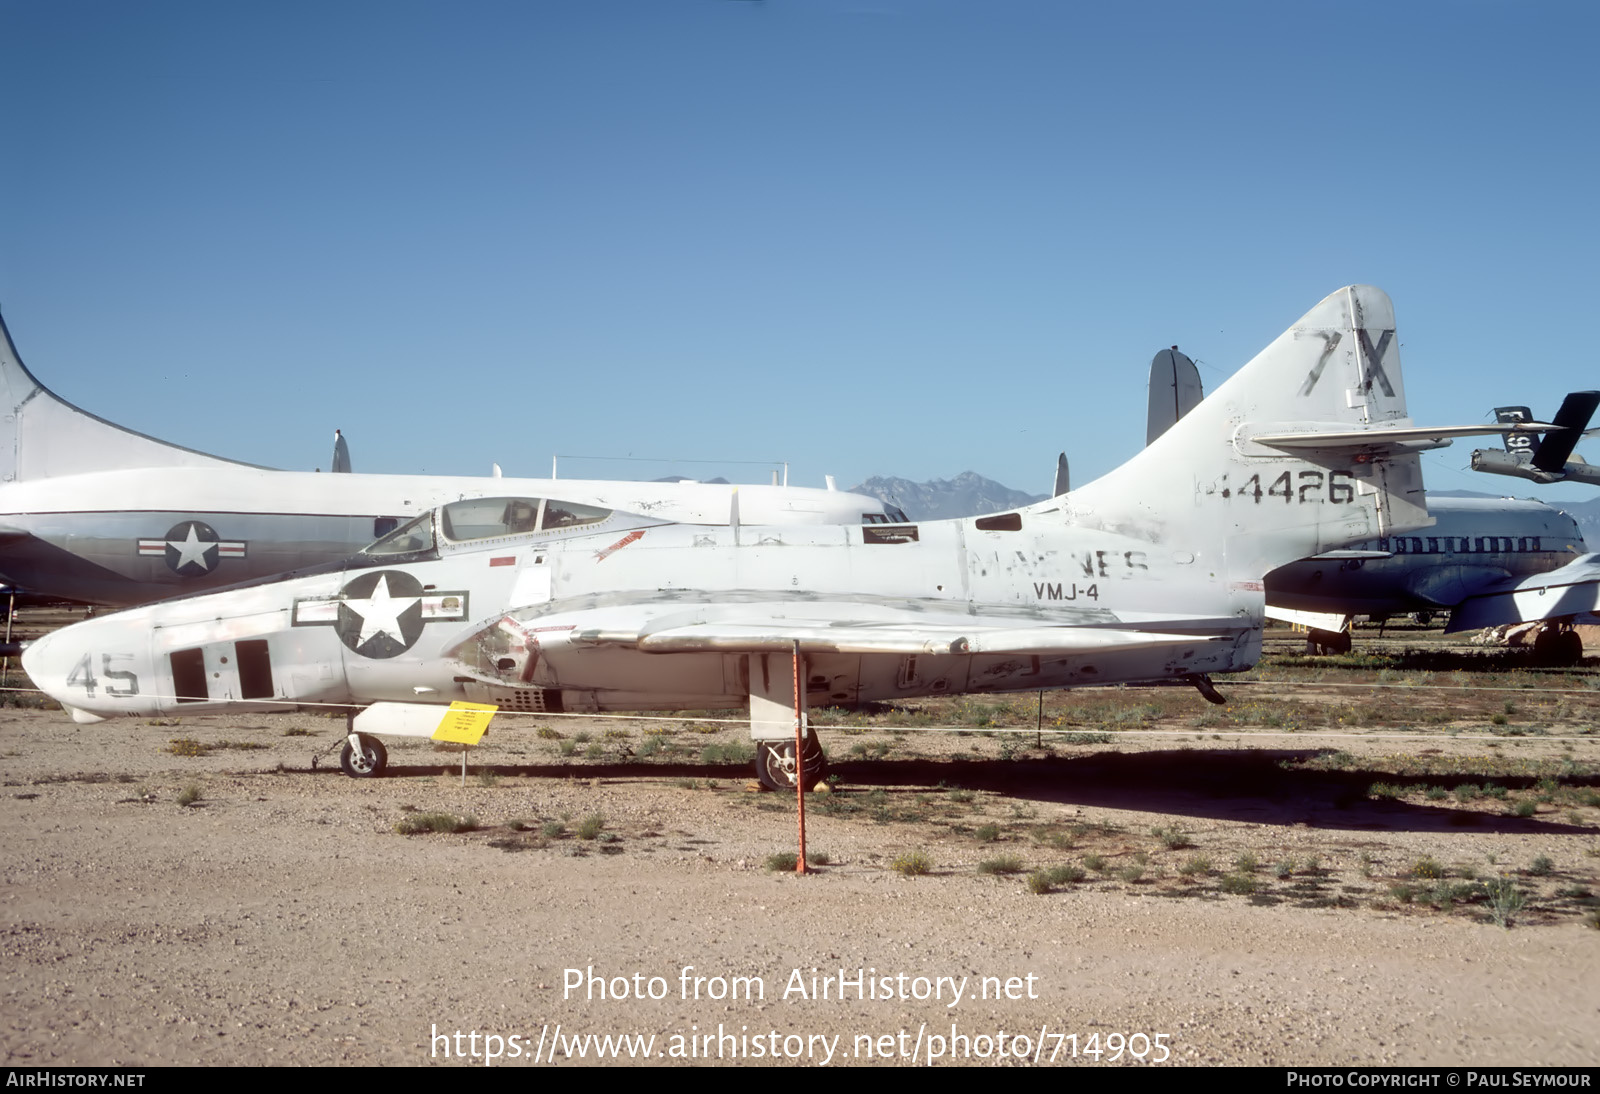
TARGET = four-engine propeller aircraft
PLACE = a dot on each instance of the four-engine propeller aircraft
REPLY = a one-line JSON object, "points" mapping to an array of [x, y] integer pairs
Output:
{"points": [[94, 512], [1152, 573]]}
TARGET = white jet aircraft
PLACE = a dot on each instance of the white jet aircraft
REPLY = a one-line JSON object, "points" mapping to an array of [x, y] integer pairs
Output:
{"points": [[1550, 458], [1152, 573], [94, 512]]}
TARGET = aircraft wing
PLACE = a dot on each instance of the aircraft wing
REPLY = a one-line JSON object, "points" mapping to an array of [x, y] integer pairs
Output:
{"points": [[1317, 621], [1571, 591], [821, 638], [846, 628]]}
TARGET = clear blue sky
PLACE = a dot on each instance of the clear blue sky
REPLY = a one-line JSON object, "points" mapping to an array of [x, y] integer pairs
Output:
{"points": [[864, 236]]}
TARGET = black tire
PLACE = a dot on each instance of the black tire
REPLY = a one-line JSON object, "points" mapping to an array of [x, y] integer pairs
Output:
{"points": [[1570, 647], [1329, 641], [775, 767], [369, 764], [1557, 648]]}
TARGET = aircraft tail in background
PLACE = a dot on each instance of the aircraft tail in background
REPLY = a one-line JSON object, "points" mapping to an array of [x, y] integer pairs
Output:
{"points": [[1550, 458], [43, 436]]}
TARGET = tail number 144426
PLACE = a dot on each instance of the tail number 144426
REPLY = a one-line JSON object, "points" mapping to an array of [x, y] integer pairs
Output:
{"points": [[1336, 488]]}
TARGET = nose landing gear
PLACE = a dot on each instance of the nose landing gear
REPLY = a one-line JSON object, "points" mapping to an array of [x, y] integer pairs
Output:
{"points": [[365, 759]]}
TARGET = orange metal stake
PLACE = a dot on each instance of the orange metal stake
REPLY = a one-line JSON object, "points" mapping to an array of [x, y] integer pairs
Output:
{"points": [[799, 760]]}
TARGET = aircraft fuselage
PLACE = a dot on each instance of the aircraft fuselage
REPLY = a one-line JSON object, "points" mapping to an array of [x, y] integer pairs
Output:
{"points": [[555, 623]]}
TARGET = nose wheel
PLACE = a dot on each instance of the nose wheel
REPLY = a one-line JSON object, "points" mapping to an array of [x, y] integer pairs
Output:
{"points": [[366, 761], [776, 767]]}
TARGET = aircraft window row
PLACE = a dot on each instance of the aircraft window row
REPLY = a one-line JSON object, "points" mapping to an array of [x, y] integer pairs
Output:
{"points": [[1433, 545]]}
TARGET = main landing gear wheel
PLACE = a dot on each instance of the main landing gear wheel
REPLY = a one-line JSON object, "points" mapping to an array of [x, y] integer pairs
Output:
{"points": [[775, 766], [1323, 642], [367, 763], [1558, 647]]}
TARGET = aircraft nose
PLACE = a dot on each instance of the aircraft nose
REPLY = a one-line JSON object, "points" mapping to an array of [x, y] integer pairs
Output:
{"points": [[48, 663], [91, 668]]}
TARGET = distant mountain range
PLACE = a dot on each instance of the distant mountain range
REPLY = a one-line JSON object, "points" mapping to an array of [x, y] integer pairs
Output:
{"points": [[969, 494]]}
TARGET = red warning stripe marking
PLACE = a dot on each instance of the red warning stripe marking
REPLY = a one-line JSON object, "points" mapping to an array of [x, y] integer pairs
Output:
{"points": [[601, 556]]}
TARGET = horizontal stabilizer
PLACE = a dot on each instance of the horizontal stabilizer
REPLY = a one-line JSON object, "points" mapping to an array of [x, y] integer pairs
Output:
{"points": [[1407, 438]]}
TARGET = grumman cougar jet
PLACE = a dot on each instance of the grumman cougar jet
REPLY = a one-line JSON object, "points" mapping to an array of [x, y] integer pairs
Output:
{"points": [[94, 512], [1152, 573]]}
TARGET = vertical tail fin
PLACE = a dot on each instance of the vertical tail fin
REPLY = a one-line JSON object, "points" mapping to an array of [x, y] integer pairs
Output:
{"points": [[1306, 448], [1519, 446], [1174, 391], [1063, 483], [341, 455], [44, 436], [1572, 419]]}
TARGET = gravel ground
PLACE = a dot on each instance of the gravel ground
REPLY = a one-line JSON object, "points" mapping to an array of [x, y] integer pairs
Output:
{"points": [[280, 917]]}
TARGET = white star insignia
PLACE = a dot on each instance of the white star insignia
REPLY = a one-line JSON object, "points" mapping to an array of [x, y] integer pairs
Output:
{"points": [[380, 613], [193, 549]]}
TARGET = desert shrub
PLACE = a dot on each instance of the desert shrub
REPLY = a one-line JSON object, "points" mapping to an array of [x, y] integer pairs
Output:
{"points": [[912, 863], [1005, 864], [435, 822]]}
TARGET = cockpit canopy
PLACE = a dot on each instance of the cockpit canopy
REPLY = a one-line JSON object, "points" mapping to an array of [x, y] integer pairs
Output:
{"points": [[471, 520]]}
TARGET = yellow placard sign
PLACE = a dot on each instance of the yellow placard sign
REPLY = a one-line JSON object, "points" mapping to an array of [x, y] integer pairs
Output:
{"points": [[465, 723]]}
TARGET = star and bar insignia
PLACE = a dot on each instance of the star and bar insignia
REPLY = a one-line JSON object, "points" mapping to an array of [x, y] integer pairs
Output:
{"points": [[381, 613], [192, 548]]}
